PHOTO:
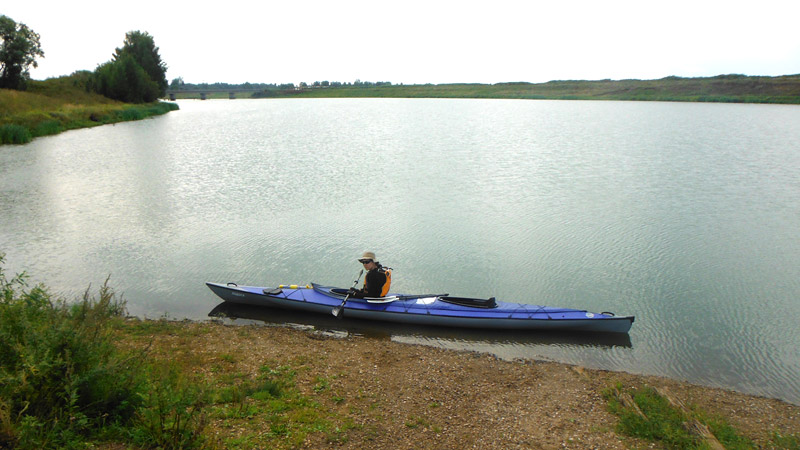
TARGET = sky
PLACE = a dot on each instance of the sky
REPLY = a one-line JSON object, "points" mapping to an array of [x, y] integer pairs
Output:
{"points": [[423, 41]]}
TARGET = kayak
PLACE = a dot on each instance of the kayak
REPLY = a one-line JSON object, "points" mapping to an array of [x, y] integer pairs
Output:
{"points": [[424, 309]]}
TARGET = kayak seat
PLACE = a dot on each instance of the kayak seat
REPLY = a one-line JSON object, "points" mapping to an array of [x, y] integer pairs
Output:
{"points": [[486, 303]]}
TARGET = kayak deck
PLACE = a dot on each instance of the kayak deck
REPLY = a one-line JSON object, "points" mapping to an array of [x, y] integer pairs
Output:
{"points": [[436, 309]]}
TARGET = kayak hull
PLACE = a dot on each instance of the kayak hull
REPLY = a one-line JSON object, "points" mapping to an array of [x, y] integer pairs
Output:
{"points": [[425, 310]]}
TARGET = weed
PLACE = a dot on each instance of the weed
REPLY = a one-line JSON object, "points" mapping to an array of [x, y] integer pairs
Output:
{"points": [[172, 416]]}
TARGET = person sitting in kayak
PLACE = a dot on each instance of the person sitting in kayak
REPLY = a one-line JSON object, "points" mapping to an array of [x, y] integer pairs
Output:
{"points": [[377, 281]]}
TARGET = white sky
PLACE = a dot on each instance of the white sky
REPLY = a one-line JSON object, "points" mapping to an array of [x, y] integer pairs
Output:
{"points": [[423, 41]]}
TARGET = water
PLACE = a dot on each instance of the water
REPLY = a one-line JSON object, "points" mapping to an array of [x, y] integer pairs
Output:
{"points": [[685, 215]]}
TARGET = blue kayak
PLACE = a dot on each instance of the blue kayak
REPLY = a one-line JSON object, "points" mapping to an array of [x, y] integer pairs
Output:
{"points": [[432, 309]]}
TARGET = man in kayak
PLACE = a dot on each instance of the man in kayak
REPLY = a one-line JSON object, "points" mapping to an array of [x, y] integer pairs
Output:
{"points": [[377, 281]]}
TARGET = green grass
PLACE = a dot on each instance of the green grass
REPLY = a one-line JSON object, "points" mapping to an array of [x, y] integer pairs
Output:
{"points": [[14, 134], [665, 424], [60, 104], [273, 401], [660, 423]]}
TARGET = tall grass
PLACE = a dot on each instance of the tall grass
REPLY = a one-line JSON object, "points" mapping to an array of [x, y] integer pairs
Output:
{"points": [[14, 134], [63, 382]]}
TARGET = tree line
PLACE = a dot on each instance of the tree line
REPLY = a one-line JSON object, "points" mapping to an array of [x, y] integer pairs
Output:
{"points": [[178, 84], [135, 73]]}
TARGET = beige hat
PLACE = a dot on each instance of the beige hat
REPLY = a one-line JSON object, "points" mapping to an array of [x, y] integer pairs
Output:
{"points": [[367, 255]]}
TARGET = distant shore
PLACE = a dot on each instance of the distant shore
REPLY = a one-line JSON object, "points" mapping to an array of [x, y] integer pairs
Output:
{"points": [[60, 104], [722, 88]]}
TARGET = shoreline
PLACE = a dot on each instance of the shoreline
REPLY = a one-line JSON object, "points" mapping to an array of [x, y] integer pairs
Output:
{"points": [[462, 339], [386, 394]]}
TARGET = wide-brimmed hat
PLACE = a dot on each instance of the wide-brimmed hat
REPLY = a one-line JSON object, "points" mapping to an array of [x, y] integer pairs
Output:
{"points": [[366, 256]]}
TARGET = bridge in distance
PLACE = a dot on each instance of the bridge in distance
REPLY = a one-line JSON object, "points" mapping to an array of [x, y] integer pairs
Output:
{"points": [[203, 94]]}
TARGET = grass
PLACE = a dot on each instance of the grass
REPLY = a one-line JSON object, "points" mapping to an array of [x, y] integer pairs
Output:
{"points": [[60, 104], [654, 418]]}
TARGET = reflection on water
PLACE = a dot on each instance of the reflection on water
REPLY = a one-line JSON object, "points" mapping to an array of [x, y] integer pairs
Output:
{"points": [[503, 344]]}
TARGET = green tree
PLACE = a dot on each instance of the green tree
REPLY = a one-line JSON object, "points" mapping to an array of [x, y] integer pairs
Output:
{"points": [[125, 80], [18, 51], [141, 46]]}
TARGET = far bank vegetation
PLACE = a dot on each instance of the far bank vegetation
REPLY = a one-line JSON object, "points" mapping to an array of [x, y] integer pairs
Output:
{"points": [[721, 88]]}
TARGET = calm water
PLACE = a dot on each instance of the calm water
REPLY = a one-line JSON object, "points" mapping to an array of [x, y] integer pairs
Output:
{"points": [[685, 215]]}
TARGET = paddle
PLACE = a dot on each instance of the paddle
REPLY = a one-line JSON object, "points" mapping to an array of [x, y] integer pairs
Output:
{"points": [[338, 310]]}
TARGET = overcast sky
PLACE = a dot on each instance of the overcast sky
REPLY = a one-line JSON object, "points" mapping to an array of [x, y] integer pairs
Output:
{"points": [[428, 41]]}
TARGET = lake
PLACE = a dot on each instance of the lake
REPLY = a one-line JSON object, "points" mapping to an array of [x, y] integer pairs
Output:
{"points": [[685, 215]]}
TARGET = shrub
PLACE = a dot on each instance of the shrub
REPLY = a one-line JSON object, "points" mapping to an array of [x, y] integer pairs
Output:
{"points": [[61, 378], [172, 417], [125, 80], [64, 383]]}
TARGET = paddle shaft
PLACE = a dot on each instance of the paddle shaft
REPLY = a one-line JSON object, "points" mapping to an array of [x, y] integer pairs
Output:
{"points": [[338, 310]]}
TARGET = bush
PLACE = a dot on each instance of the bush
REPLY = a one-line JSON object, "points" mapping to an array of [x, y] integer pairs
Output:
{"points": [[14, 134], [125, 80], [64, 383], [61, 377]]}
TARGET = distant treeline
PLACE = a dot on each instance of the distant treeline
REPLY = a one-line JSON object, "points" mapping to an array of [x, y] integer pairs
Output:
{"points": [[270, 89], [721, 88]]}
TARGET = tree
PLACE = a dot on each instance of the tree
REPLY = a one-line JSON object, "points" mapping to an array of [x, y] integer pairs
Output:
{"points": [[18, 52], [142, 47], [135, 74], [125, 80]]}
